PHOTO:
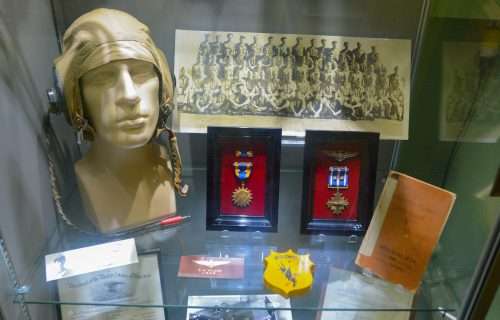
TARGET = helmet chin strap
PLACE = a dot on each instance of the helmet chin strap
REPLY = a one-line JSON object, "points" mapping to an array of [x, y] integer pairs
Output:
{"points": [[167, 137], [84, 130]]}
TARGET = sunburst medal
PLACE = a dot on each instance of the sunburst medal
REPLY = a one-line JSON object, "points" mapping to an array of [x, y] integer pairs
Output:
{"points": [[242, 196]]}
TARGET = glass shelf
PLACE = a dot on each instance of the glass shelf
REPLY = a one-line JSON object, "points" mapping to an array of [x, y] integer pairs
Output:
{"points": [[191, 238]]}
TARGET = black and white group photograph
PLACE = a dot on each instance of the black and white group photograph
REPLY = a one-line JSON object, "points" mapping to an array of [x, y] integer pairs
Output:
{"points": [[289, 76]]}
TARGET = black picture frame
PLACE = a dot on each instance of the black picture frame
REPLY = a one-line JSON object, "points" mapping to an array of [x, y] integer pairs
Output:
{"points": [[216, 137], [368, 146]]}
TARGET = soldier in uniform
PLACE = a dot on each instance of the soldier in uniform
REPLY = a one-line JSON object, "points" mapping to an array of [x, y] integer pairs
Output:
{"points": [[298, 52], [237, 98], [352, 108], [394, 80], [381, 81], [201, 98], [334, 57], [214, 47], [345, 55], [320, 53], [196, 72], [299, 73], [395, 95], [327, 97], [266, 55], [381, 89], [265, 73], [341, 74], [296, 104], [315, 77], [211, 81], [396, 99], [218, 98], [283, 51], [328, 53], [355, 80], [369, 81], [357, 53], [183, 94], [311, 51], [283, 76], [221, 70], [372, 57], [203, 51], [239, 51], [239, 73], [225, 50], [363, 66], [339, 109], [313, 104], [251, 53], [228, 76]]}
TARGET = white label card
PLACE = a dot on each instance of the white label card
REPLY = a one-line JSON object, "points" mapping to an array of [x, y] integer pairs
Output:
{"points": [[89, 259]]}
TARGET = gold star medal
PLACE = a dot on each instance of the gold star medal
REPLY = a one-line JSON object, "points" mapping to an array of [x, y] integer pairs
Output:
{"points": [[242, 196]]}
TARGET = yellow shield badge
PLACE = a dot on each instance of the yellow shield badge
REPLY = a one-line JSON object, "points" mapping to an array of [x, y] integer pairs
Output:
{"points": [[288, 273]]}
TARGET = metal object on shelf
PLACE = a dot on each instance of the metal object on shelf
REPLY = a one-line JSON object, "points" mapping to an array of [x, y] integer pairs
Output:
{"points": [[225, 234], [257, 235], [353, 239], [446, 315]]}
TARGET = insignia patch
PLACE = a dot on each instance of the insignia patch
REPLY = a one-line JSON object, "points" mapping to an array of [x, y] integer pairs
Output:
{"points": [[288, 273]]}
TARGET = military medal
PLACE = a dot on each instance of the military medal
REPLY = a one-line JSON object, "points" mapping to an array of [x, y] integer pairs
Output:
{"points": [[338, 178], [242, 196]]}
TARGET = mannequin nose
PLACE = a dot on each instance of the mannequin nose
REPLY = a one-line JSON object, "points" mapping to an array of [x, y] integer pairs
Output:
{"points": [[127, 92]]}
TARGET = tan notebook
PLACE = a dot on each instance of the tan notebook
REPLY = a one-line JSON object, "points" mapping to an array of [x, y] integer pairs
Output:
{"points": [[404, 230]]}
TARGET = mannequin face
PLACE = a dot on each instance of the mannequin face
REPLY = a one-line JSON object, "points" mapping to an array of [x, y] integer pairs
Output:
{"points": [[121, 100]]}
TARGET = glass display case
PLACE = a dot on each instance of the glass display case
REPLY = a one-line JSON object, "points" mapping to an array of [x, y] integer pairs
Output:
{"points": [[326, 102]]}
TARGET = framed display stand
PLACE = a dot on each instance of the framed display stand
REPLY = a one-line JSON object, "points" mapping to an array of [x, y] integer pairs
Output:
{"points": [[338, 182], [243, 178]]}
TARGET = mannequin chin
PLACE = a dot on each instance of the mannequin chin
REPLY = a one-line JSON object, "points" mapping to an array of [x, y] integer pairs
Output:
{"points": [[122, 182]]}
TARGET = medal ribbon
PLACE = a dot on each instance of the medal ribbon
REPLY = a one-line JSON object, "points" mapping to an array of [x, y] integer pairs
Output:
{"points": [[242, 170], [338, 177]]}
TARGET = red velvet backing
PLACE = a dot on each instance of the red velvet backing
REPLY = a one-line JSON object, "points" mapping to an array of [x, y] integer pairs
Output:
{"points": [[256, 183], [321, 192]]}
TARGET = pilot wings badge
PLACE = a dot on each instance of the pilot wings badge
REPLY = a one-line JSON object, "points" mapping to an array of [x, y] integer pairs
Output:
{"points": [[340, 155], [288, 273], [212, 263]]}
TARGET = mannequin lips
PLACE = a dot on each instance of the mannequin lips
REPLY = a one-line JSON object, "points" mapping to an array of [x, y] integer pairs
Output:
{"points": [[133, 123]]}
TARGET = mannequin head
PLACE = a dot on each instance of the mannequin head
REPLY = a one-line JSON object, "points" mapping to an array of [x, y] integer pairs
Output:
{"points": [[120, 100], [118, 93], [97, 41]]}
